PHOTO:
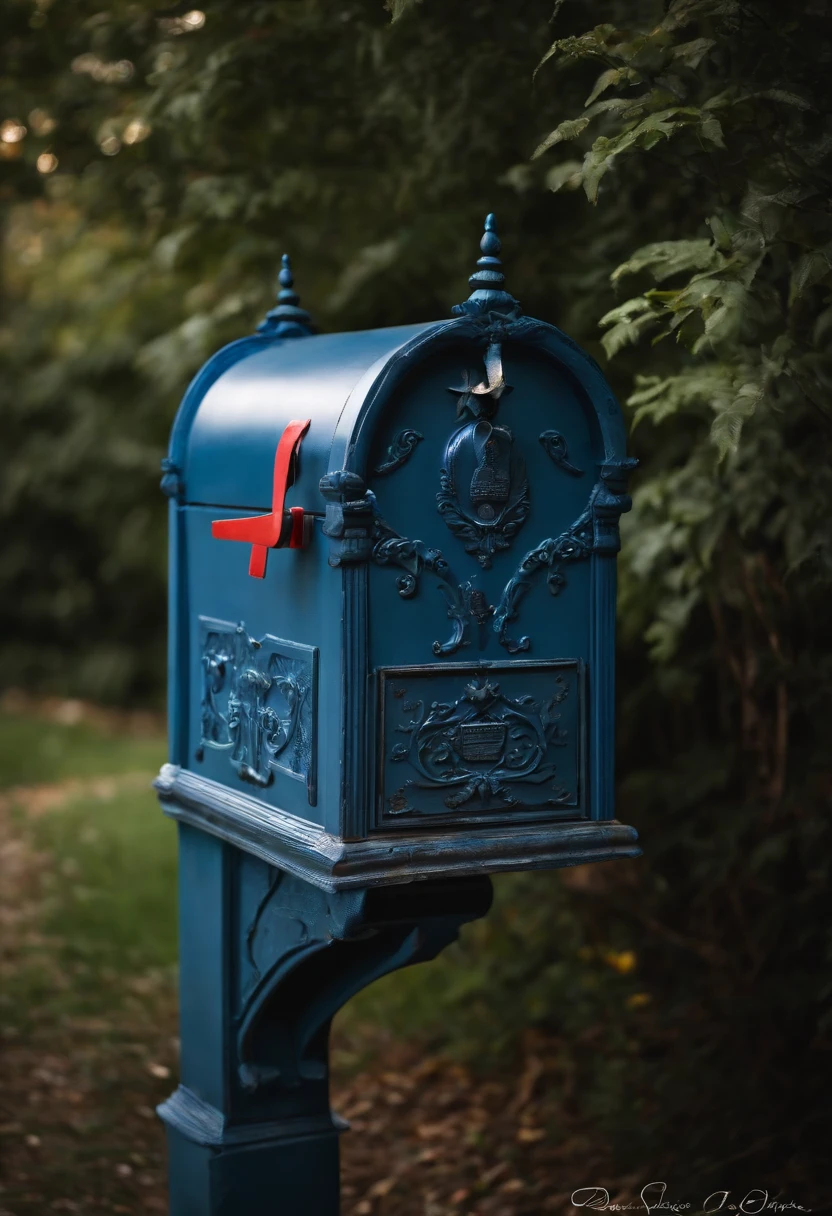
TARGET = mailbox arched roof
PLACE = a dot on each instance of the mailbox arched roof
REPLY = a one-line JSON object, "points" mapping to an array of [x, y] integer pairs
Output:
{"points": [[235, 410]]}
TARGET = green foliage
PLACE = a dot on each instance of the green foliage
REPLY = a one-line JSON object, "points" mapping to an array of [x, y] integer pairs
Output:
{"points": [[754, 165], [712, 135], [370, 148]]}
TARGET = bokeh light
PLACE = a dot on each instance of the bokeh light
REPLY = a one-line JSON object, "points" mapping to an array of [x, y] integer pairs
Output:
{"points": [[89, 64], [12, 131], [135, 131]]}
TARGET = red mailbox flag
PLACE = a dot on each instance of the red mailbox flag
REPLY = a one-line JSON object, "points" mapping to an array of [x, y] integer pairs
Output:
{"points": [[263, 531]]}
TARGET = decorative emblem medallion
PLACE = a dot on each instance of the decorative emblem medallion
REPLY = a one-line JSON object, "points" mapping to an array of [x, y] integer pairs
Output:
{"points": [[258, 703], [486, 746], [484, 492]]}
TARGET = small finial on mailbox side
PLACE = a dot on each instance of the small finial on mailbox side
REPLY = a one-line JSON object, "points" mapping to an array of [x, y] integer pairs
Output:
{"points": [[487, 280], [287, 319]]}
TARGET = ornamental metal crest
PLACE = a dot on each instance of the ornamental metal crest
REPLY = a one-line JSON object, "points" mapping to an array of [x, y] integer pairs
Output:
{"points": [[483, 745], [257, 703], [484, 493], [483, 490]]}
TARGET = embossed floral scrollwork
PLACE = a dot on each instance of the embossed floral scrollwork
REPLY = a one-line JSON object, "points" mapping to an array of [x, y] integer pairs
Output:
{"points": [[399, 451], [594, 531], [414, 557], [256, 704], [482, 538], [571, 546], [555, 447], [475, 746]]}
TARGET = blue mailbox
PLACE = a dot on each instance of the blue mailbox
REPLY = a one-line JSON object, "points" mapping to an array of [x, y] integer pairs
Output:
{"points": [[392, 624]]}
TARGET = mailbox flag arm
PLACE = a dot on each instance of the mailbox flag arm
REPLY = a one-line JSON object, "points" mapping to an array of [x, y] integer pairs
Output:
{"points": [[263, 532]]}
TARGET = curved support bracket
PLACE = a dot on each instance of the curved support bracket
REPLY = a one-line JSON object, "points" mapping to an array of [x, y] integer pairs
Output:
{"points": [[266, 960], [313, 950]]}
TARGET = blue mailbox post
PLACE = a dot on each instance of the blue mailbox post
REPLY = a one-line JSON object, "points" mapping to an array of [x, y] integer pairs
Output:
{"points": [[416, 693]]}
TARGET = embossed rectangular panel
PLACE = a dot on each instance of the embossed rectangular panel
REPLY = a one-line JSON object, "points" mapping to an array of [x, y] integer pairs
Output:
{"points": [[473, 743], [258, 704]]}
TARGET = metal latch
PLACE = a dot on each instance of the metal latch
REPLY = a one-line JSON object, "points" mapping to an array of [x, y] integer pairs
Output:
{"points": [[279, 529]]}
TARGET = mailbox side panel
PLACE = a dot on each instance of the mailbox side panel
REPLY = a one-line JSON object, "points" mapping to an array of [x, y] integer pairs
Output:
{"points": [[257, 669]]}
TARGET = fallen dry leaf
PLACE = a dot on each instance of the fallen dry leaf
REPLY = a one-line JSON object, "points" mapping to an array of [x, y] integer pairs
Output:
{"points": [[530, 1135], [381, 1188]]}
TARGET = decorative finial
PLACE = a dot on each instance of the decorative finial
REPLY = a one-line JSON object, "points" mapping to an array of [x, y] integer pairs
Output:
{"points": [[287, 319], [487, 280], [489, 265]]}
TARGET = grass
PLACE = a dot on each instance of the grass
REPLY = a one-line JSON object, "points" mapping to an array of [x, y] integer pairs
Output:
{"points": [[35, 749], [112, 898], [80, 798], [87, 963]]}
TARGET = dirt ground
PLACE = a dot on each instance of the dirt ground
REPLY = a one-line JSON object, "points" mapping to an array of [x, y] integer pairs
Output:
{"points": [[88, 1051], [81, 1136]]}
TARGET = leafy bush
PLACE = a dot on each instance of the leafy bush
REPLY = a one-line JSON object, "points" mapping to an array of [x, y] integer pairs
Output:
{"points": [[699, 133]]}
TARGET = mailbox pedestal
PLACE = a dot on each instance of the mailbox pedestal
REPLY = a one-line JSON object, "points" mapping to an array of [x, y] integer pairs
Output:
{"points": [[348, 766], [250, 1129]]}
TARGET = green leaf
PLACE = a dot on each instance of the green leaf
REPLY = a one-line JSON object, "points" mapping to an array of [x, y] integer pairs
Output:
{"points": [[612, 76], [711, 129], [623, 312], [721, 232], [726, 428], [700, 388], [645, 134], [666, 258], [692, 53], [810, 268], [399, 7], [570, 129], [565, 176], [591, 44], [629, 321]]}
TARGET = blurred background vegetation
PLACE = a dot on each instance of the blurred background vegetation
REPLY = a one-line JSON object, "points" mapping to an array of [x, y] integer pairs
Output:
{"points": [[661, 174]]}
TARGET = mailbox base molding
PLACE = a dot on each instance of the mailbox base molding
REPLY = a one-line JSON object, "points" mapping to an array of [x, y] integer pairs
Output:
{"points": [[327, 861], [202, 1123], [224, 1171]]}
